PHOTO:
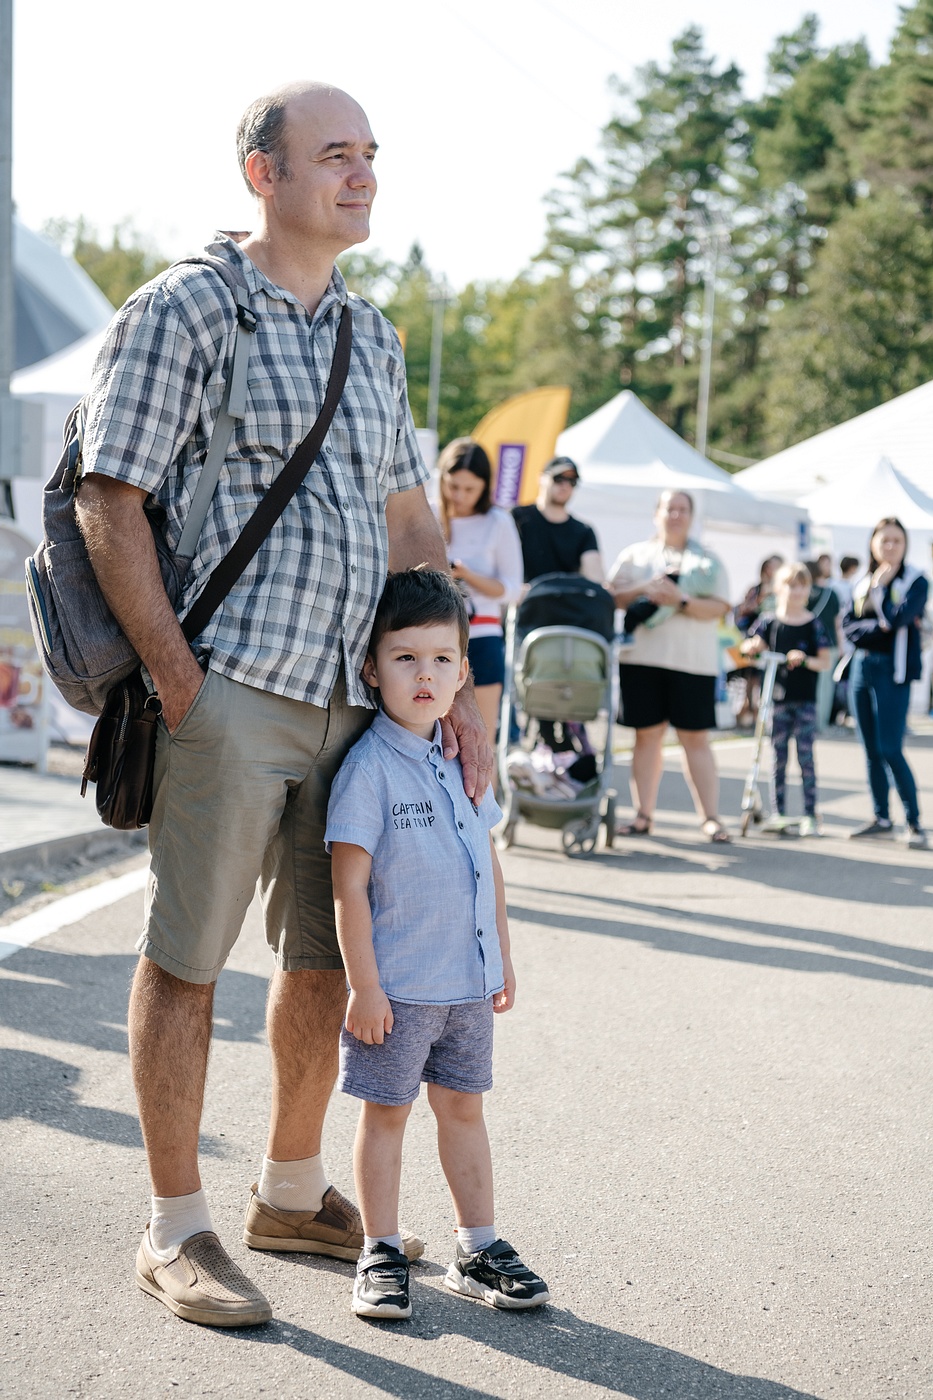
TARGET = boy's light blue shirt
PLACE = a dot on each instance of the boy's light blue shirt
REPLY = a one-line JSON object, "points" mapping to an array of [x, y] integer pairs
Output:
{"points": [[431, 890]]}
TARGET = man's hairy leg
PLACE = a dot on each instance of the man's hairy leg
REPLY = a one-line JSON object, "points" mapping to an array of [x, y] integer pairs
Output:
{"points": [[304, 1014], [170, 1038]]}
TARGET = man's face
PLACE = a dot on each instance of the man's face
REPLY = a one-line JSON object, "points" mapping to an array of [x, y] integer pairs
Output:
{"points": [[332, 186], [560, 487]]}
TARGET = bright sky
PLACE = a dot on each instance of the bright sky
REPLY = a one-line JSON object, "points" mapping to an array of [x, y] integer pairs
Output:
{"points": [[123, 110]]}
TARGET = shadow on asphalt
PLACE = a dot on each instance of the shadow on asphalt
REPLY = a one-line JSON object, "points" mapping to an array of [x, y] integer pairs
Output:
{"points": [[700, 945], [550, 1340], [79, 999], [43, 1090]]}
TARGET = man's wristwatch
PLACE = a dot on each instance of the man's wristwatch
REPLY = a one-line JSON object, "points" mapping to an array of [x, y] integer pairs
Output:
{"points": [[682, 605]]}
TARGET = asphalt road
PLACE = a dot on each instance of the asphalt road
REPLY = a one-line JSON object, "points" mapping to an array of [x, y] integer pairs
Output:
{"points": [[711, 1128]]}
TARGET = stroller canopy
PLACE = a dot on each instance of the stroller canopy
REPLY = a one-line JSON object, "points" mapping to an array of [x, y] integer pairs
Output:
{"points": [[566, 600]]}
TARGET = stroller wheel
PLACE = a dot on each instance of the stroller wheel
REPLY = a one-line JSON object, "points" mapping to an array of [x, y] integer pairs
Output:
{"points": [[579, 837], [506, 837]]}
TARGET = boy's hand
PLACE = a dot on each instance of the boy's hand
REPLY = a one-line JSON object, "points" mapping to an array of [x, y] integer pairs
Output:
{"points": [[795, 658], [753, 646], [369, 1015], [505, 1000]]}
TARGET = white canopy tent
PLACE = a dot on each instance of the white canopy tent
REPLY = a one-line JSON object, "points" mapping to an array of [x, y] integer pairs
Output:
{"points": [[627, 457], [844, 512], [901, 430], [57, 383], [55, 301]]}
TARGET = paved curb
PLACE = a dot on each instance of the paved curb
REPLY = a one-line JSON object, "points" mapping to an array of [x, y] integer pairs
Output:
{"points": [[84, 845]]}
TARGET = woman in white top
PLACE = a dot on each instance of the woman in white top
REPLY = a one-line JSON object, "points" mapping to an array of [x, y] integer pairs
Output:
{"points": [[675, 592], [486, 557]]}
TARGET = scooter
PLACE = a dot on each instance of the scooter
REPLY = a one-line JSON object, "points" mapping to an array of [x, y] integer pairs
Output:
{"points": [[752, 806]]}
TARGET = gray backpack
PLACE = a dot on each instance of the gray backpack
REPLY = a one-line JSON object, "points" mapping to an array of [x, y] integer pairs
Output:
{"points": [[78, 638]]}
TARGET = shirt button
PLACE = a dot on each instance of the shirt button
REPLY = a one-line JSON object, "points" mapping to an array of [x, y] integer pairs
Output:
{"points": [[440, 773], [479, 933], [476, 873], [460, 824], [352, 568]]}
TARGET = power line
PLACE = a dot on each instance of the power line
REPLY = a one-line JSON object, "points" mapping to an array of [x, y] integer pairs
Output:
{"points": [[573, 24], [554, 94]]}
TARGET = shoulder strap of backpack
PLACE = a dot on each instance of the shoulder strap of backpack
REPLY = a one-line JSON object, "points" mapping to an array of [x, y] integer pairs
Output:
{"points": [[232, 407]]}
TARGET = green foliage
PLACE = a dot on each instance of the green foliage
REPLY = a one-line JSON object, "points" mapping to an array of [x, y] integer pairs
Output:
{"points": [[892, 111], [119, 267], [865, 332]]}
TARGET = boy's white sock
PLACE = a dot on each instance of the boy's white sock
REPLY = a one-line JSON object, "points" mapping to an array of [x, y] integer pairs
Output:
{"points": [[175, 1219], [294, 1185], [474, 1237], [371, 1241]]}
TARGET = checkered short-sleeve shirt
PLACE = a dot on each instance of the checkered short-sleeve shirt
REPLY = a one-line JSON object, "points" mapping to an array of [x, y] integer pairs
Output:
{"points": [[303, 609]]}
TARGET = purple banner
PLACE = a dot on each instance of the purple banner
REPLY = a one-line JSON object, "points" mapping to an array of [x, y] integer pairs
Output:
{"points": [[509, 474]]}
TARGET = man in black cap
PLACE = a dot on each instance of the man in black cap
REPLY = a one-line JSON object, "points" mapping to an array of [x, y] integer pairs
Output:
{"points": [[553, 541]]}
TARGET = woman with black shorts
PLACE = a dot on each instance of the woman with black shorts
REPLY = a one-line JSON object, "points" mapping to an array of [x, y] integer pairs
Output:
{"points": [[486, 559], [668, 672]]}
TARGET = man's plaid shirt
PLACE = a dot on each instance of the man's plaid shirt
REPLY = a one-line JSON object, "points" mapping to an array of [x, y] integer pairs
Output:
{"points": [[304, 607]]}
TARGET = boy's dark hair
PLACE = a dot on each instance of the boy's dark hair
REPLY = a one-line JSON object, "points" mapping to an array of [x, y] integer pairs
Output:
{"points": [[420, 597]]}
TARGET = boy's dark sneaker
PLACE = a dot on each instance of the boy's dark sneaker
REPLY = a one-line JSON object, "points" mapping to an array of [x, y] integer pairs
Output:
{"points": [[380, 1288], [882, 829], [497, 1276]]}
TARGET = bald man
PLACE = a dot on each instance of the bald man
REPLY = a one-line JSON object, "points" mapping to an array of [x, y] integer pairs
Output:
{"points": [[258, 713]]}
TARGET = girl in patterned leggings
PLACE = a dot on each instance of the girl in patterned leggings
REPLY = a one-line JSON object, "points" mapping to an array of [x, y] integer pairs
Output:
{"points": [[800, 636]]}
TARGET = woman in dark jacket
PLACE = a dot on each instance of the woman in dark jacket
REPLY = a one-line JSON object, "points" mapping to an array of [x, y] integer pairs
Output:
{"points": [[883, 623]]}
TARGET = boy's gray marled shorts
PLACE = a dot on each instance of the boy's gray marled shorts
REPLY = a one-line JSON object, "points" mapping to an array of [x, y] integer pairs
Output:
{"points": [[446, 1045]]}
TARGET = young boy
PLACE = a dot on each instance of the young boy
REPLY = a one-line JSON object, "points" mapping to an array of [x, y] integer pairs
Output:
{"points": [[422, 926]]}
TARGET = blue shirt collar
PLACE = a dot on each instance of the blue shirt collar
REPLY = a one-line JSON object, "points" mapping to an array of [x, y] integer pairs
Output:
{"points": [[403, 741]]}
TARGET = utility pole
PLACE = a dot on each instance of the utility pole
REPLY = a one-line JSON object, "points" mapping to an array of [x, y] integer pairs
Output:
{"points": [[439, 297], [9, 425], [706, 343]]}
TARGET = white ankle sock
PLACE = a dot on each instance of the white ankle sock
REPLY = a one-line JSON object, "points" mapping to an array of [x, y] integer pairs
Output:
{"points": [[175, 1219], [293, 1185], [474, 1237], [370, 1242]]}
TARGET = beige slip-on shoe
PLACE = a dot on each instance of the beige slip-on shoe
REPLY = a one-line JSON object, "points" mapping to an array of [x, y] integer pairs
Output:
{"points": [[202, 1284], [336, 1229]]}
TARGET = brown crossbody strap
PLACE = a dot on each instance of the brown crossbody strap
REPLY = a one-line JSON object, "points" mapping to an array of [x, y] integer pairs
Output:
{"points": [[260, 523]]}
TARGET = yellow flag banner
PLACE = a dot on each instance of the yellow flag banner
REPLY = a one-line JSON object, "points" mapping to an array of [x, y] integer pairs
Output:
{"points": [[520, 437]]}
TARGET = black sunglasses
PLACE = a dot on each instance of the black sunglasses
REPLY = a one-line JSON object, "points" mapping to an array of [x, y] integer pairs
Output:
{"points": [[567, 477]]}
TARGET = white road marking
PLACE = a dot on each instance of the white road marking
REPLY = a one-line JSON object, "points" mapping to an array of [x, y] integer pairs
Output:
{"points": [[68, 910]]}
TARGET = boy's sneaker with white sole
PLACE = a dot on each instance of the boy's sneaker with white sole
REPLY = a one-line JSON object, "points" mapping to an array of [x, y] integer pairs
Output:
{"points": [[380, 1288], [917, 838], [496, 1276]]}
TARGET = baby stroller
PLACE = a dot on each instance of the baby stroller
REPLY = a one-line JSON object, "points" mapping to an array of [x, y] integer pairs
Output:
{"points": [[561, 665]]}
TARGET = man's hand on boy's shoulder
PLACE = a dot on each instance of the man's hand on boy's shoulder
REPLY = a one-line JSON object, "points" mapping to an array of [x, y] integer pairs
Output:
{"points": [[464, 733], [505, 1000], [369, 1015]]}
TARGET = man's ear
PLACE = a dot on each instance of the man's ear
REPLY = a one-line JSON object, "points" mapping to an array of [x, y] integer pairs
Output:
{"points": [[368, 672], [260, 172], [464, 672]]}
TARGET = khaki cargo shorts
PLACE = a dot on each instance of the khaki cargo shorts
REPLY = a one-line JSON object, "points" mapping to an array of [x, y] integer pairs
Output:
{"points": [[240, 797]]}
